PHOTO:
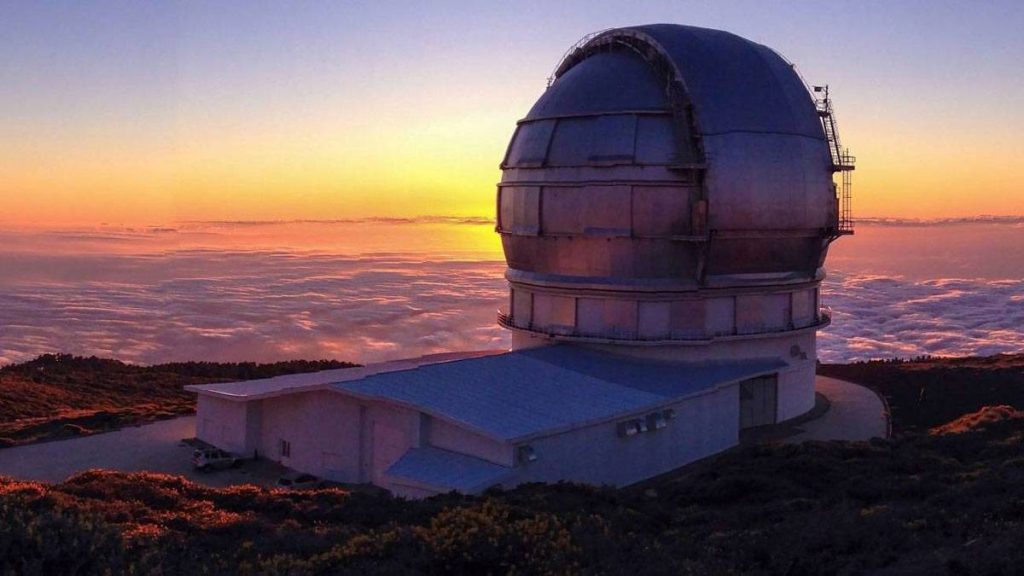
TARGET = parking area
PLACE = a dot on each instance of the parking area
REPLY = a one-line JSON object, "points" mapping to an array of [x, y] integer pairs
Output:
{"points": [[156, 447]]}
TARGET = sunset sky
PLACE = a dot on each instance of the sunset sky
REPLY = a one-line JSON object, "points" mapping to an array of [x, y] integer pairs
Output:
{"points": [[157, 112]]}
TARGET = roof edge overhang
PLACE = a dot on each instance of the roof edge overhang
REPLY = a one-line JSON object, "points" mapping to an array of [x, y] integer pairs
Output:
{"points": [[719, 285], [222, 389], [402, 480], [772, 365], [718, 386]]}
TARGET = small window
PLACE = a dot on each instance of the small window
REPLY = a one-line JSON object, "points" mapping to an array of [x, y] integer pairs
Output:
{"points": [[286, 449]]}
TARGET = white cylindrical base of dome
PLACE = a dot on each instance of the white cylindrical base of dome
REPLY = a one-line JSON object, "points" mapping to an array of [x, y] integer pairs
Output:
{"points": [[795, 380]]}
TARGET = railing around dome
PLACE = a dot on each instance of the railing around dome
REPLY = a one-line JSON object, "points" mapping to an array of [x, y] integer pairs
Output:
{"points": [[842, 161], [662, 65], [572, 49], [823, 319]]}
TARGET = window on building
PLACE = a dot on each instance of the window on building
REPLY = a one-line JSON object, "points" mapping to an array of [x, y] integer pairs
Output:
{"points": [[285, 449]]}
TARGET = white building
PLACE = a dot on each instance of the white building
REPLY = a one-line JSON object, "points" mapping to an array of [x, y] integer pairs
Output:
{"points": [[665, 210]]}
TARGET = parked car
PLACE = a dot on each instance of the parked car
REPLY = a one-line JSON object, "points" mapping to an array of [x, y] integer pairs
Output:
{"points": [[214, 459], [298, 481]]}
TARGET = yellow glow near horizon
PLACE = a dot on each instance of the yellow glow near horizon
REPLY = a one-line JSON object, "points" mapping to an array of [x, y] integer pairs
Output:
{"points": [[431, 161], [445, 166], [152, 113], [426, 167]]}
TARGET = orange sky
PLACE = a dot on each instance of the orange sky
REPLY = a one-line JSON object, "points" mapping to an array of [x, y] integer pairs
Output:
{"points": [[134, 116]]}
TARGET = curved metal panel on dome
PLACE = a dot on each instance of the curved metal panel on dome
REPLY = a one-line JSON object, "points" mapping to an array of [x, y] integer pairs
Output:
{"points": [[607, 82], [666, 162], [736, 85]]}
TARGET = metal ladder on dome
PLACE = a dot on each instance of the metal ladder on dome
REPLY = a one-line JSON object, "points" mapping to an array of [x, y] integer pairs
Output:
{"points": [[842, 161]]}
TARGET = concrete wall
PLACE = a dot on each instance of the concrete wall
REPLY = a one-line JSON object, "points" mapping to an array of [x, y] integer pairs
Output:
{"points": [[441, 434], [703, 426], [796, 383], [223, 423], [796, 380], [322, 428], [389, 431], [328, 434]]}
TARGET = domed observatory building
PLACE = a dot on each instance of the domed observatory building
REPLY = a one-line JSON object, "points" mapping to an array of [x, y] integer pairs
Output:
{"points": [[670, 196], [665, 210]]}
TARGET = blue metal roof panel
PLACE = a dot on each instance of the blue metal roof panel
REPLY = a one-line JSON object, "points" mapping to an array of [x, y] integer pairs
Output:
{"points": [[506, 396], [665, 379], [521, 393], [446, 470]]}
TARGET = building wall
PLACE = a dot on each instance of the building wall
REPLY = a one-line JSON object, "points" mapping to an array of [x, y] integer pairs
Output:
{"points": [[796, 384], [798, 350], [328, 434], [442, 434], [702, 426], [223, 423], [322, 429], [651, 317], [389, 431]]}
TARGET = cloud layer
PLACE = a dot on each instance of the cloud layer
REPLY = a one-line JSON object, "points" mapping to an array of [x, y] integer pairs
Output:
{"points": [[159, 295], [884, 317]]}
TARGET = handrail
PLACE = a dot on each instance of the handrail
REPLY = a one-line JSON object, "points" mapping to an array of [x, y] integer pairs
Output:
{"points": [[824, 318], [579, 44]]}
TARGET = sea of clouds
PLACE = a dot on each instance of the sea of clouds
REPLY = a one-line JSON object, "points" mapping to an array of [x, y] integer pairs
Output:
{"points": [[200, 293]]}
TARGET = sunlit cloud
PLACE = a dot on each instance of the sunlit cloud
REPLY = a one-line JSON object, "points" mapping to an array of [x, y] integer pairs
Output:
{"points": [[885, 317], [368, 291]]}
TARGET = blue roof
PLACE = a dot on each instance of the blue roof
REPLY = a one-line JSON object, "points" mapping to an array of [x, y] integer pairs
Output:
{"points": [[444, 470], [517, 394]]}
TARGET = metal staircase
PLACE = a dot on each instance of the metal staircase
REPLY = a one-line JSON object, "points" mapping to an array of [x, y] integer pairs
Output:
{"points": [[842, 161]]}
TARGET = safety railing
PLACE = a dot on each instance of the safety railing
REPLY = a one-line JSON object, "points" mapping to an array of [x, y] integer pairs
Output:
{"points": [[823, 318]]}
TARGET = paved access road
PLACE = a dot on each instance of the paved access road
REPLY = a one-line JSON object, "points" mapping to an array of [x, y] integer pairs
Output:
{"points": [[855, 413], [153, 447]]}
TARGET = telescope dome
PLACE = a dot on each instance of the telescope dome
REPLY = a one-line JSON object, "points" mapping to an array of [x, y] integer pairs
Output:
{"points": [[665, 170]]}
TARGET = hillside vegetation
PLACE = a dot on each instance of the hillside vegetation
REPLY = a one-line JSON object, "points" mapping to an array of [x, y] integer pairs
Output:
{"points": [[59, 395], [944, 496], [946, 502], [926, 392]]}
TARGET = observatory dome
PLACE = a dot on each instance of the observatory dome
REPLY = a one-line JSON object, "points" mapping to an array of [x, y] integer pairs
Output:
{"points": [[672, 185]]}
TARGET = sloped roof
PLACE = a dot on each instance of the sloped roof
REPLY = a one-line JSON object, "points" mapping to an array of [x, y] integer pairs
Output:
{"points": [[524, 393], [444, 471], [291, 383]]}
